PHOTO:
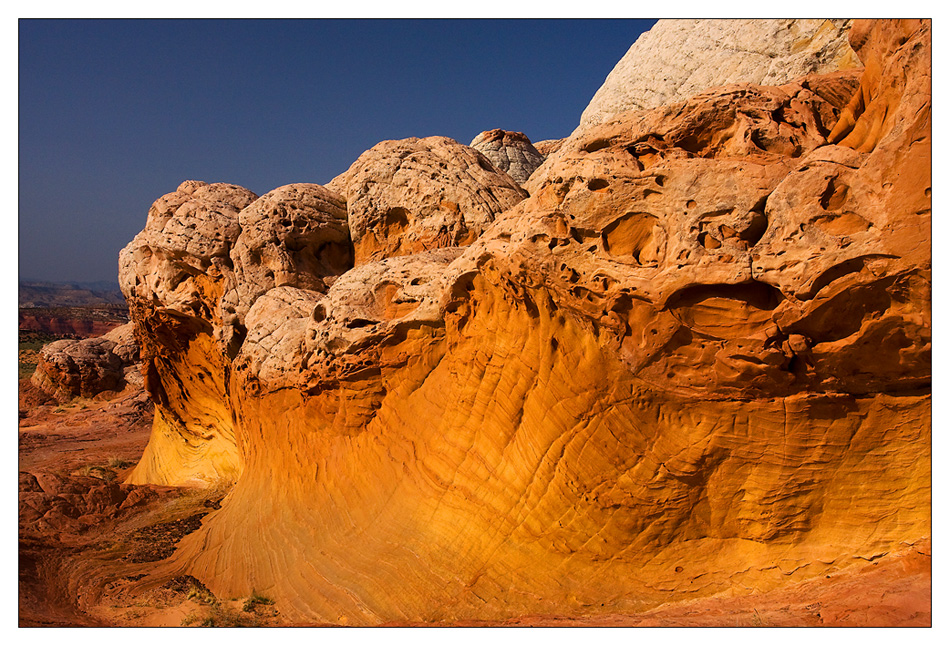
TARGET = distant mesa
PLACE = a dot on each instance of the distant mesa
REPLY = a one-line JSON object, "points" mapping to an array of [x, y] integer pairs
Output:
{"points": [[38, 294]]}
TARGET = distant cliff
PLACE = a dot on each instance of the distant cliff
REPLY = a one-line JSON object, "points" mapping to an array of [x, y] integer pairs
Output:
{"points": [[45, 294]]}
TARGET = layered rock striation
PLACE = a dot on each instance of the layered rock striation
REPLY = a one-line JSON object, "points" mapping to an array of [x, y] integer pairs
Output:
{"points": [[691, 357]]}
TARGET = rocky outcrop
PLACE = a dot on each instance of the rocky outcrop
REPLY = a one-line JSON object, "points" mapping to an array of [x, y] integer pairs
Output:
{"points": [[677, 59], [548, 146], [885, 99], [174, 275], [295, 235], [87, 367], [413, 195], [694, 362], [509, 151]]}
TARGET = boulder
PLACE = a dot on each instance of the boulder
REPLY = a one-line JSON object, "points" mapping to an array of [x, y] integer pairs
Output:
{"points": [[413, 195], [509, 151], [295, 235], [78, 368]]}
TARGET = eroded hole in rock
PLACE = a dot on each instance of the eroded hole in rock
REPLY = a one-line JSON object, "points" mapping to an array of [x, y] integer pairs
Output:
{"points": [[834, 195], [358, 323], [724, 310], [581, 235], [632, 234], [334, 258], [597, 184], [396, 218], [597, 144], [844, 313], [758, 223], [840, 271], [694, 143], [708, 241]]}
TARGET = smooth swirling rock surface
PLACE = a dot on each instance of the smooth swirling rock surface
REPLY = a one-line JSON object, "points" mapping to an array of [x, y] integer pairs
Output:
{"points": [[695, 361], [679, 58]]}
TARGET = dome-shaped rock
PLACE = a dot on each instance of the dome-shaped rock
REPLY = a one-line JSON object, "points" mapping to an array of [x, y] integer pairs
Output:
{"points": [[678, 58], [295, 235], [509, 151], [412, 195]]}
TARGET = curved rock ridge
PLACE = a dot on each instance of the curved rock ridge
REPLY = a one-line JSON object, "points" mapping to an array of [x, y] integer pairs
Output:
{"points": [[658, 69], [510, 151], [548, 146], [173, 275], [413, 195], [695, 361]]}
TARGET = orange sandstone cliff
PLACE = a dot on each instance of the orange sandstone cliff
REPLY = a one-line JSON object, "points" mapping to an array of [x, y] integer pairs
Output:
{"points": [[690, 357]]}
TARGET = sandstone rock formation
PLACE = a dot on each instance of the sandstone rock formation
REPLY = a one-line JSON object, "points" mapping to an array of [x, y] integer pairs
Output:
{"points": [[174, 275], [86, 367], [677, 59], [418, 194], [295, 235], [548, 146], [509, 151], [694, 362]]}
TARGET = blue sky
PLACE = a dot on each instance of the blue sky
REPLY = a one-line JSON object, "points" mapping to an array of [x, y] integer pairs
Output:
{"points": [[113, 113]]}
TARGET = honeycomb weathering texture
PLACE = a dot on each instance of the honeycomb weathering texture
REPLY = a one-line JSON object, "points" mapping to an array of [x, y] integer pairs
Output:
{"points": [[693, 361], [413, 195]]}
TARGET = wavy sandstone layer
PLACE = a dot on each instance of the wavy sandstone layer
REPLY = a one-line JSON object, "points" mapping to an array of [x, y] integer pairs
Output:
{"points": [[693, 360]]}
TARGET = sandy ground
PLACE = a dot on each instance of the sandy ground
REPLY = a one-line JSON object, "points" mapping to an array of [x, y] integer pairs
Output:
{"points": [[91, 548]]}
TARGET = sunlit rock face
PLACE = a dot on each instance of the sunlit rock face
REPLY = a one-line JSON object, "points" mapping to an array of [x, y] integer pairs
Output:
{"points": [[695, 361], [413, 195], [173, 275], [680, 58]]}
